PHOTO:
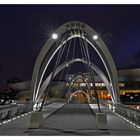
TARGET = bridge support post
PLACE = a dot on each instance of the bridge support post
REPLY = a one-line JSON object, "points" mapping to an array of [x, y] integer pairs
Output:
{"points": [[9, 114], [1, 113], [35, 120], [101, 121]]}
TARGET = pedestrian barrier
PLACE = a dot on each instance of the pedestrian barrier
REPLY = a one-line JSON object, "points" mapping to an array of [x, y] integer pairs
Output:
{"points": [[131, 114], [10, 112]]}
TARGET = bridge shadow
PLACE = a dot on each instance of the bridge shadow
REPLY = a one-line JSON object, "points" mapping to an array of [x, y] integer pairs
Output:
{"points": [[62, 132], [71, 119]]}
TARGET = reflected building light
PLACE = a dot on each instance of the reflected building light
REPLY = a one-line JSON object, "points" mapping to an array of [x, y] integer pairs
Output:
{"points": [[103, 84], [82, 84]]}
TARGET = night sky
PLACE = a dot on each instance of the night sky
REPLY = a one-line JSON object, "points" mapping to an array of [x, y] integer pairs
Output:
{"points": [[25, 28]]}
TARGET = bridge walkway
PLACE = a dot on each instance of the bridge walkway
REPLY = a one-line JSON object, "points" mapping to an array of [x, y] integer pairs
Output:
{"points": [[71, 119]]}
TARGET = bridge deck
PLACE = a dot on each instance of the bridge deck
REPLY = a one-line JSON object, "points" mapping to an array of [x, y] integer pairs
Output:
{"points": [[71, 119]]}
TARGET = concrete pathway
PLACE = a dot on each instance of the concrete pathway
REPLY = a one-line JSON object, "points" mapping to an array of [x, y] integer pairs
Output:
{"points": [[70, 119], [116, 125], [19, 126], [80, 119]]}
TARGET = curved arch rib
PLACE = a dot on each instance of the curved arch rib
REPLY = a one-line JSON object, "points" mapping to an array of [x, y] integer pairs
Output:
{"points": [[75, 78], [70, 97], [62, 66], [99, 47]]}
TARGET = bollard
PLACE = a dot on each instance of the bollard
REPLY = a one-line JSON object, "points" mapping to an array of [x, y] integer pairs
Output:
{"points": [[101, 121], [35, 120]]}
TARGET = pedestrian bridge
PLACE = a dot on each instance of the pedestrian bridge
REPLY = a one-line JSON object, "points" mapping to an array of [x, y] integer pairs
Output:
{"points": [[60, 118], [40, 116]]}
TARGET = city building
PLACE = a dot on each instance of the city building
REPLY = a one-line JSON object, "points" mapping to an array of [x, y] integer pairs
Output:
{"points": [[129, 82]]}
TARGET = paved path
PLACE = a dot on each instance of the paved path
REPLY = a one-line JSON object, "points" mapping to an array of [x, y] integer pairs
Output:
{"points": [[20, 125], [68, 121], [116, 125], [71, 119], [80, 119]]}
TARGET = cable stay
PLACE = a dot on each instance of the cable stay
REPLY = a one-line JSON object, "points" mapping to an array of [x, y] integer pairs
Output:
{"points": [[73, 53], [62, 73], [53, 72], [87, 57]]}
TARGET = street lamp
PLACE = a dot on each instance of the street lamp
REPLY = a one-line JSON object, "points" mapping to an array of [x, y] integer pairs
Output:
{"points": [[95, 37], [54, 36]]}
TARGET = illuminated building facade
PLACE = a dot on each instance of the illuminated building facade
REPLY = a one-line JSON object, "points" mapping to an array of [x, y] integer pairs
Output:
{"points": [[129, 83]]}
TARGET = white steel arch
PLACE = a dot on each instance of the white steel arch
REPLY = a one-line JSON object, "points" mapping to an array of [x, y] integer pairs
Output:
{"points": [[75, 78], [62, 66], [99, 46], [70, 97]]}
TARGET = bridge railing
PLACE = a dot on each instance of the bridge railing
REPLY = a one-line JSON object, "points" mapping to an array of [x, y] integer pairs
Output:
{"points": [[127, 112], [7, 112], [37, 106]]}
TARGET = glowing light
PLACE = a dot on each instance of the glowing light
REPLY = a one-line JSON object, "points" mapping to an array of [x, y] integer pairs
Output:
{"points": [[131, 97], [9, 120], [54, 36], [95, 37], [67, 65], [134, 124], [13, 119], [69, 78], [4, 122]]}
